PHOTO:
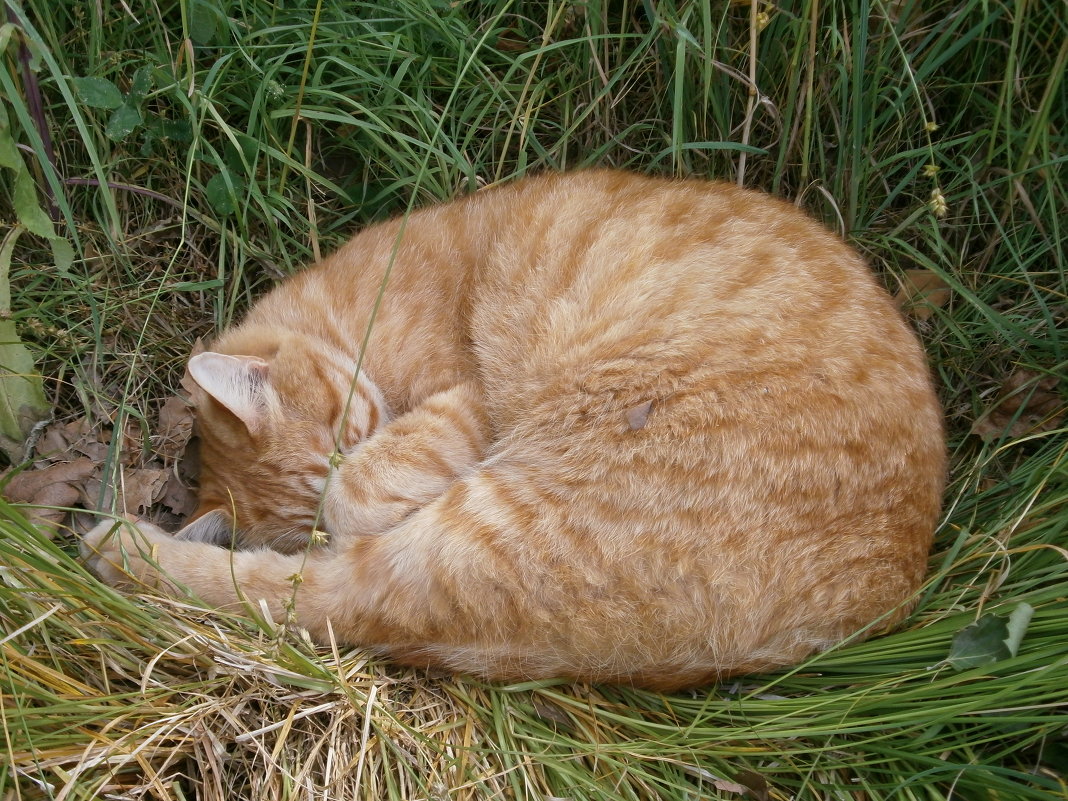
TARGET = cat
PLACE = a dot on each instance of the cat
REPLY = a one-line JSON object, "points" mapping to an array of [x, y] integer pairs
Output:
{"points": [[607, 427]]}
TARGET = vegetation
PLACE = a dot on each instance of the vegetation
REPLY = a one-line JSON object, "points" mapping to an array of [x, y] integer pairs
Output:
{"points": [[165, 163]]}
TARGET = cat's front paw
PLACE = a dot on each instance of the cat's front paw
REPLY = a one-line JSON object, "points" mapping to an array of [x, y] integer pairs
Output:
{"points": [[124, 553]]}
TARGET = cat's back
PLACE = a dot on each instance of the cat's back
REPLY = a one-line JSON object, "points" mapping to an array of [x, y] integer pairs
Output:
{"points": [[704, 380], [604, 280]]}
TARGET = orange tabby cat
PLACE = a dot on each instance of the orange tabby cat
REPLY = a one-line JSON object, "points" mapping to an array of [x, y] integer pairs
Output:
{"points": [[608, 427]]}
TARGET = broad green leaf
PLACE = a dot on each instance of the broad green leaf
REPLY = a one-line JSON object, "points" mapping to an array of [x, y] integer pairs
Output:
{"points": [[122, 123], [33, 47], [141, 85], [6, 249], [6, 30], [22, 400], [1019, 619], [9, 154], [203, 23], [27, 206], [176, 130], [222, 192], [98, 92], [990, 639], [980, 643], [62, 253]]}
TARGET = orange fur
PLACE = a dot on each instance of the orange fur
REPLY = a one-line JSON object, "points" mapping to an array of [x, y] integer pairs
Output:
{"points": [[609, 427]]}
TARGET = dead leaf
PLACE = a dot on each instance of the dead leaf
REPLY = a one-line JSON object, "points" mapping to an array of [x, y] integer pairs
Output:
{"points": [[132, 448], [136, 489], [547, 710], [177, 497], [70, 459], [1029, 403], [921, 292], [141, 487], [174, 430], [59, 484], [729, 787], [78, 436], [755, 783]]}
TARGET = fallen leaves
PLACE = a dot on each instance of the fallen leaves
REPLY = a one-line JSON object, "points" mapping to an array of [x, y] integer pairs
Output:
{"points": [[175, 429], [77, 463], [1028, 402], [747, 783], [51, 490], [921, 292]]}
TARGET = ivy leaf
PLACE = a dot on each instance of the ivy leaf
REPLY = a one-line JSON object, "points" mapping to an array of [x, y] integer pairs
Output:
{"points": [[990, 639], [98, 93]]}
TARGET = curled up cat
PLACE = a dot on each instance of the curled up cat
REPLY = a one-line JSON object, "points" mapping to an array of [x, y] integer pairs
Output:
{"points": [[608, 427]]}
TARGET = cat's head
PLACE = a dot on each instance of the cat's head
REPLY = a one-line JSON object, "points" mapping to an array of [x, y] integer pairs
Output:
{"points": [[271, 411]]}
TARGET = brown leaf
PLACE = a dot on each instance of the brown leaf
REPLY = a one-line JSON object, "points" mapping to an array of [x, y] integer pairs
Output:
{"points": [[137, 488], [547, 710], [921, 292], [58, 484], [141, 487], [61, 440], [133, 443], [174, 430], [1029, 403], [729, 787], [70, 463], [756, 784], [177, 497]]}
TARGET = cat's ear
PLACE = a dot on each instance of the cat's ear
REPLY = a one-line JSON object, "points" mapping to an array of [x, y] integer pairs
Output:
{"points": [[237, 382], [214, 528]]}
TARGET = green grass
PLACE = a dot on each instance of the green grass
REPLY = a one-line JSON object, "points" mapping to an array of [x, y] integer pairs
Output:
{"points": [[262, 134]]}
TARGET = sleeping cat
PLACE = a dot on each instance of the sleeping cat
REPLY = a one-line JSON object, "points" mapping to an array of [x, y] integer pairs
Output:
{"points": [[608, 427]]}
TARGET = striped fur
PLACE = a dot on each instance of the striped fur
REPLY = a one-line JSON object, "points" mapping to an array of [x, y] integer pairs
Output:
{"points": [[608, 427]]}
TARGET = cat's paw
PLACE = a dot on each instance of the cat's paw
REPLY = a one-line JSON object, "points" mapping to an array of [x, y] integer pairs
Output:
{"points": [[124, 552]]}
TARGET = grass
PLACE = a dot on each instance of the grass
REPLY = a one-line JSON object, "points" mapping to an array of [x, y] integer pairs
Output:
{"points": [[243, 138]]}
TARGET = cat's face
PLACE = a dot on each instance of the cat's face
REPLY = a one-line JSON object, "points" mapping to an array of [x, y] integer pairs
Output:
{"points": [[268, 425]]}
